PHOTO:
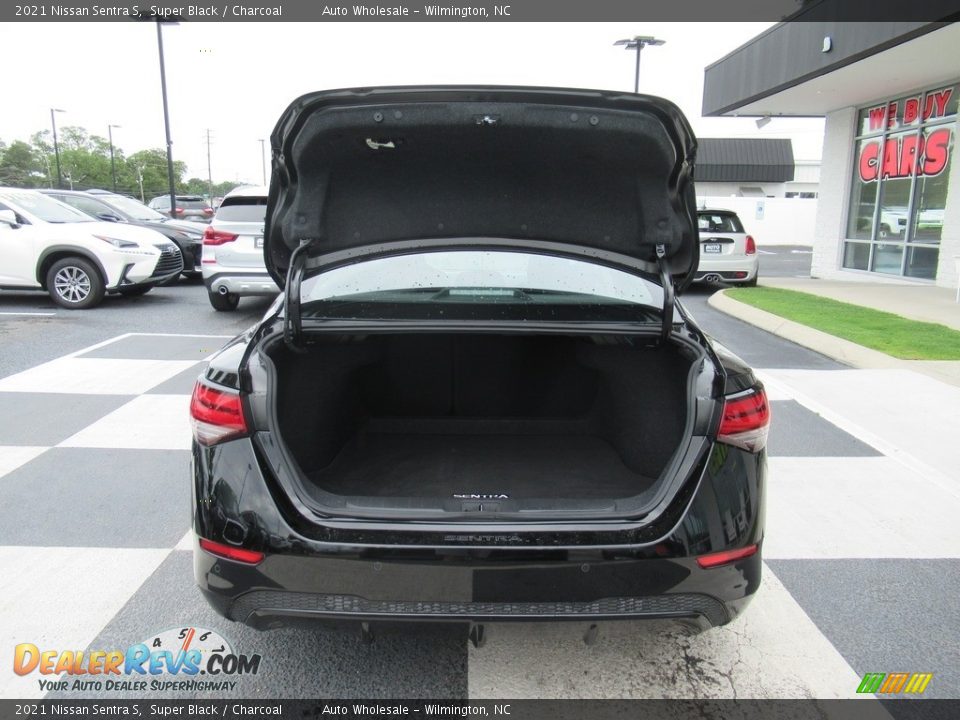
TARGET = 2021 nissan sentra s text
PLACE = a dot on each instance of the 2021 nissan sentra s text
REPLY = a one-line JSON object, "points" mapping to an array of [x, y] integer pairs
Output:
{"points": [[477, 398]]}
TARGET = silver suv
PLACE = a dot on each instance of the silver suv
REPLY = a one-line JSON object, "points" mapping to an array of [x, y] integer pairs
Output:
{"points": [[232, 262]]}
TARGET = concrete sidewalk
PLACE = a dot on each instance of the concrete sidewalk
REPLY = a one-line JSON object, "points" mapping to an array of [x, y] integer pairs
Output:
{"points": [[917, 302]]}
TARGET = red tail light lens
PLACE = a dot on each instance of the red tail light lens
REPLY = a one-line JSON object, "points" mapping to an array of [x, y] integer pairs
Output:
{"points": [[751, 246], [216, 415], [722, 558], [251, 557], [217, 237], [178, 211], [208, 211], [746, 420]]}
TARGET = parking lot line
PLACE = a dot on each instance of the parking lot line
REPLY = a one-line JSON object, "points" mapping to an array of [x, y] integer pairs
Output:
{"points": [[774, 650]]}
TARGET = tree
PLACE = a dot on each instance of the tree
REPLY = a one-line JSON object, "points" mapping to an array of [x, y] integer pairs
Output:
{"points": [[152, 165], [21, 167]]}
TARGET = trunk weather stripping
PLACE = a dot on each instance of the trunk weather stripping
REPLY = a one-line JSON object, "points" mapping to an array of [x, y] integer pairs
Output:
{"points": [[292, 324], [668, 294]]}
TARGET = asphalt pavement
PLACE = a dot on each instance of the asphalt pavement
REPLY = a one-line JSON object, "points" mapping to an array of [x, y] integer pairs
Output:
{"points": [[94, 507]]}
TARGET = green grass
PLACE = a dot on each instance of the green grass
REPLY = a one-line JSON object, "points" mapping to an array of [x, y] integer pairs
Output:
{"points": [[886, 332]]}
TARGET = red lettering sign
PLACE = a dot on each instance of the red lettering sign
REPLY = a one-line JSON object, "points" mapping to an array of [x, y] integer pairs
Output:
{"points": [[901, 157]]}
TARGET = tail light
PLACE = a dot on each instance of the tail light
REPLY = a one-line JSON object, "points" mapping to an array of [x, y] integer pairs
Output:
{"points": [[751, 246], [251, 557], [216, 414], [178, 211], [208, 211], [721, 558], [746, 420], [217, 237]]}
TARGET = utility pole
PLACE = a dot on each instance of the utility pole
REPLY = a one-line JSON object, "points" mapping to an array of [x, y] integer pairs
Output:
{"points": [[56, 145], [638, 43], [113, 166], [209, 170], [263, 160], [140, 181]]}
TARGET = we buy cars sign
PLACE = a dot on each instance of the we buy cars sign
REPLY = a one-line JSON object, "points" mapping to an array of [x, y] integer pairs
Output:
{"points": [[900, 156]]}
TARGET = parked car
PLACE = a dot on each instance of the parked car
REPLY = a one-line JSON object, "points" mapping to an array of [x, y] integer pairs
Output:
{"points": [[48, 245], [477, 398], [189, 207], [112, 207], [233, 264], [727, 253]]}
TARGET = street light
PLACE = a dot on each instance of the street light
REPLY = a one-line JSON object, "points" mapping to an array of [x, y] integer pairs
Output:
{"points": [[56, 145], [166, 117], [263, 160], [638, 43], [113, 167]]}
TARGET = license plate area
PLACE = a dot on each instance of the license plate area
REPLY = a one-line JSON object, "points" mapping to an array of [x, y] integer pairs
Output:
{"points": [[258, 241], [711, 248]]}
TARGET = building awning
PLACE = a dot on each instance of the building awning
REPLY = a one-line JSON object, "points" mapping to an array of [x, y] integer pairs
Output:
{"points": [[808, 69], [753, 160]]}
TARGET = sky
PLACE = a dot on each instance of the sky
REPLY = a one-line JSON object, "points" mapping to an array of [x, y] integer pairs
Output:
{"points": [[236, 78]]}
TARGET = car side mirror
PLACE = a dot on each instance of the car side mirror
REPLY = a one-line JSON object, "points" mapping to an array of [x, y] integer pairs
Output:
{"points": [[9, 217], [108, 217]]}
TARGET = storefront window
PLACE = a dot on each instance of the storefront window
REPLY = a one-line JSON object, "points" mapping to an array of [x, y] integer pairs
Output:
{"points": [[901, 169]]}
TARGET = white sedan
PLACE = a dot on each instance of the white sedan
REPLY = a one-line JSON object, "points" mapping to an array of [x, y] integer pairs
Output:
{"points": [[48, 245]]}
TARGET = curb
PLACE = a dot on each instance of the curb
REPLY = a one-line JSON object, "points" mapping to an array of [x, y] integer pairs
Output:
{"points": [[844, 351]]}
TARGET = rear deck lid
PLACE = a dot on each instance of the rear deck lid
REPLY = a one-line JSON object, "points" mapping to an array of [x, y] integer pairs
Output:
{"points": [[365, 172]]}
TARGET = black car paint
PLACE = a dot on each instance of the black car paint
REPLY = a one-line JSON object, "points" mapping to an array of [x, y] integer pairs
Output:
{"points": [[238, 500], [319, 567]]}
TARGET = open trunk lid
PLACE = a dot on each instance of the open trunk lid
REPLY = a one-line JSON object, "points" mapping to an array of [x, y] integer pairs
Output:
{"points": [[364, 172]]}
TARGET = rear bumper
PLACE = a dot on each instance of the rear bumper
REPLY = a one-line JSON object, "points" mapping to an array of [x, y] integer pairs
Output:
{"points": [[382, 571], [730, 269], [241, 283]]}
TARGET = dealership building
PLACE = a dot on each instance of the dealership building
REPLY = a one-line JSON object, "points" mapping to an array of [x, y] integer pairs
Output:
{"points": [[888, 203]]}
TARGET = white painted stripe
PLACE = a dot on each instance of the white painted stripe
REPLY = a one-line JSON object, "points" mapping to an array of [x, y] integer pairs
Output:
{"points": [[885, 510], [186, 542], [149, 422], [97, 376], [185, 335], [773, 650], [61, 598], [13, 456], [30, 314], [890, 410]]}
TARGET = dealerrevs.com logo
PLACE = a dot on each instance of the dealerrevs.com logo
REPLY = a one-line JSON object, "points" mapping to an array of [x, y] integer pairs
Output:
{"points": [[179, 659]]}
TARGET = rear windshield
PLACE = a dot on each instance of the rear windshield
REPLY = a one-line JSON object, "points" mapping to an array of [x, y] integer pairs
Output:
{"points": [[192, 203], [243, 209], [480, 285], [719, 222]]}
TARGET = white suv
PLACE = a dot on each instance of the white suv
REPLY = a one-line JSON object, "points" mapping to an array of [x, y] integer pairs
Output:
{"points": [[48, 245], [233, 264]]}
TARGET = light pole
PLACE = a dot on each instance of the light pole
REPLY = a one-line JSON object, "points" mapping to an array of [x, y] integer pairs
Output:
{"points": [[263, 160], [166, 119], [56, 144], [638, 43], [113, 166]]}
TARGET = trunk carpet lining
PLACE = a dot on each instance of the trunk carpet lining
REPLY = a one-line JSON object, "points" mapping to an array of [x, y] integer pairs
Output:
{"points": [[381, 461]]}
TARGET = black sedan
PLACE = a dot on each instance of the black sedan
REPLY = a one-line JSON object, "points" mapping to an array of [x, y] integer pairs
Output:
{"points": [[477, 398], [114, 207]]}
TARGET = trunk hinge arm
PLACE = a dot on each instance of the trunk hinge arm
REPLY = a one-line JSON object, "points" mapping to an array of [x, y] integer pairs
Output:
{"points": [[292, 325], [668, 293]]}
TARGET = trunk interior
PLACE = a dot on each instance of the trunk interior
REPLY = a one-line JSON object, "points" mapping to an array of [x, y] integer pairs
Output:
{"points": [[537, 418]]}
